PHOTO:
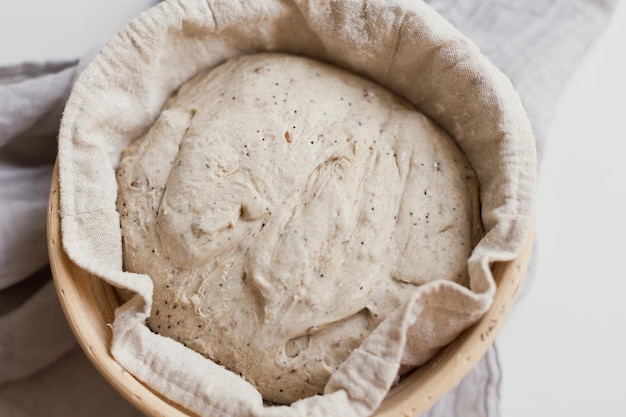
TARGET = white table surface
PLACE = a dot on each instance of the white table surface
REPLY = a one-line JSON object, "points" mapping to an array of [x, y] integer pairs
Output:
{"points": [[562, 350], [39, 30]]}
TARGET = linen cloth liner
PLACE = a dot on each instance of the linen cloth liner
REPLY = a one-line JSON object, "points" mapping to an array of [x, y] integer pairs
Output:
{"points": [[529, 47], [404, 45]]}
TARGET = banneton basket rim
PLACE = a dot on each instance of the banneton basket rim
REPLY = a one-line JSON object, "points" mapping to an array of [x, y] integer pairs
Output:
{"points": [[89, 304]]}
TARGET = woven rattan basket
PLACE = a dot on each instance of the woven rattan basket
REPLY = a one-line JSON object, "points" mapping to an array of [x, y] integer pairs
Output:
{"points": [[89, 304]]}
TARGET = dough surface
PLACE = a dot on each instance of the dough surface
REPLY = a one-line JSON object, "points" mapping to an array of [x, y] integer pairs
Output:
{"points": [[283, 208]]}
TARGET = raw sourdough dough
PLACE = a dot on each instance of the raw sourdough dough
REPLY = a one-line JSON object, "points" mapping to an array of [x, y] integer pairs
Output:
{"points": [[284, 208]]}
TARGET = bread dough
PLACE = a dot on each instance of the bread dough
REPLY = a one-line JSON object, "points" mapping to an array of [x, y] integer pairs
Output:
{"points": [[283, 208]]}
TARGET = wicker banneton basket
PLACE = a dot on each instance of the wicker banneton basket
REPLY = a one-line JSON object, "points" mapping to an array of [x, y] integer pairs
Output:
{"points": [[89, 304], [405, 46]]}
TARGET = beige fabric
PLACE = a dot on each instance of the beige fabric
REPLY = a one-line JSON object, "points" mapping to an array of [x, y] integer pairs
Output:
{"points": [[403, 45]]}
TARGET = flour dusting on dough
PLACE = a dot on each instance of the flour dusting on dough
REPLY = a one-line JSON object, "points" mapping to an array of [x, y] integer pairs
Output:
{"points": [[283, 209]]}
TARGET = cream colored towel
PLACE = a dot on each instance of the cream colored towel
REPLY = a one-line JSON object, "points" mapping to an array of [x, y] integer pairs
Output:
{"points": [[405, 46]]}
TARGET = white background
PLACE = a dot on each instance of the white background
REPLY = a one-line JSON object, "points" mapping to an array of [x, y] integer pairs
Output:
{"points": [[563, 348], [38, 30]]}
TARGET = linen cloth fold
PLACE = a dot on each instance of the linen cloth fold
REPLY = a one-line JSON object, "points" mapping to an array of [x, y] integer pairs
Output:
{"points": [[536, 50], [32, 100]]}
